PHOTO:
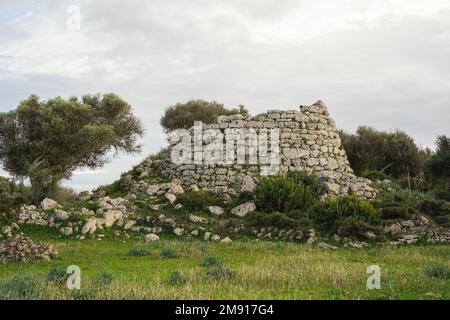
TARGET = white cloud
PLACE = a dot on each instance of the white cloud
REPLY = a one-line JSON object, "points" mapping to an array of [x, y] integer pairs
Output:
{"points": [[381, 63]]}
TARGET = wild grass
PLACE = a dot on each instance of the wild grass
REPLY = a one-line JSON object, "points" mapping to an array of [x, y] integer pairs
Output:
{"points": [[248, 270]]}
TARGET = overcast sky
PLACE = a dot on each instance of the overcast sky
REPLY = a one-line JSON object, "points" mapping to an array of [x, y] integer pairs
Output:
{"points": [[383, 63]]}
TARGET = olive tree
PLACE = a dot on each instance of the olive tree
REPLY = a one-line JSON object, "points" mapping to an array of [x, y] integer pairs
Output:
{"points": [[46, 141]]}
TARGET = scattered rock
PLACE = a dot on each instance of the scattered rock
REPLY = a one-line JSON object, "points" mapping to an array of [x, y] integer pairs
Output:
{"points": [[215, 237], [22, 249], [326, 246], [170, 197], [178, 231], [151, 237], [197, 219], [244, 209], [47, 204], [194, 233], [129, 224], [216, 210], [226, 240], [206, 236]]}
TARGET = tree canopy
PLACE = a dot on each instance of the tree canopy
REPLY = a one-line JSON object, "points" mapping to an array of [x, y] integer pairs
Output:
{"points": [[394, 153], [439, 163], [47, 140], [183, 115]]}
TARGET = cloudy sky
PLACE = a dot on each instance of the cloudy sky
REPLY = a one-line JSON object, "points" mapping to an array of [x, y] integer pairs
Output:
{"points": [[383, 63]]}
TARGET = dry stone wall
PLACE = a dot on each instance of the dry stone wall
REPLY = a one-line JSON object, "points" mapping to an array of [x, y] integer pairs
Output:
{"points": [[308, 141]]}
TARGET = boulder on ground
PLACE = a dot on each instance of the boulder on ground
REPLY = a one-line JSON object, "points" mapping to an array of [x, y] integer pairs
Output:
{"points": [[244, 209], [48, 203]]}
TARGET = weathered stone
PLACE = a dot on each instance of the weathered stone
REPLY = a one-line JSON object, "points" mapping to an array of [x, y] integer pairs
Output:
{"points": [[216, 210], [151, 237], [244, 209], [171, 198], [178, 231], [47, 204], [197, 219]]}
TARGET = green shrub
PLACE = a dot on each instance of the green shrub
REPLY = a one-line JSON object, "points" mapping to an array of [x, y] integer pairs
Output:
{"points": [[139, 252], [375, 175], [271, 219], [434, 208], [397, 213], [105, 279], [296, 191], [58, 275], [12, 194], [352, 227], [309, 180], [199, 200], [176, 279], [168, 253], [443, 195], [211, 261], [439, 210], [20, 288], [442, 272], [221, 272], [331, 213]]}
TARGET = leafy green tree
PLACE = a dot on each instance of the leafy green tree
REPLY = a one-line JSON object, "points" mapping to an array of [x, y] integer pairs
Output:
{"points": [[183, 115], [46, 141], [439, 164], [394, 153]]}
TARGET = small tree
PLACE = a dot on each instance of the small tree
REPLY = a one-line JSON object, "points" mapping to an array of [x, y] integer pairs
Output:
{"points": [[183, 115], [439, 164], [46, 141], [394, 153]]}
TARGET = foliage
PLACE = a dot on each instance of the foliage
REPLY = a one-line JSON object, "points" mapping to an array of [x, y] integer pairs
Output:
{"points": [[211, 261], [57, 275], [375, 175], [439, 164], [296, 191], [20, 288], [199, 200], [105, 279], [277, 219], [46, 141], [333, 213], [183, 115], [168, 253], [442, 272], [176, 279], [394, 153], [221, 272], [439, 210], [12, 194], [139, 252]]}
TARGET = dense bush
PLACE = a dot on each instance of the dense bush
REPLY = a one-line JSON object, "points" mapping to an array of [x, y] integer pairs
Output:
{"points": [[375, 175], [176, 279], [296, 191], [12, 194], [394, 153], [57, 275], [168, 253], [439, 210], [139, 252], [20, 288], [199, 200], [183, 115], [398, 212], [211, 261], [277, 219], [334, 212], [443, 195], [221, 272]]}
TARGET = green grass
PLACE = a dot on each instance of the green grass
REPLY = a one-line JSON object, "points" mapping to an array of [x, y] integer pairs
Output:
{"points": [[261, 270]]}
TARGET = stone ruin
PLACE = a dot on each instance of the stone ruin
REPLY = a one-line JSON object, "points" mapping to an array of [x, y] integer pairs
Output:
{"points": [[308, 141], [22, 249]]}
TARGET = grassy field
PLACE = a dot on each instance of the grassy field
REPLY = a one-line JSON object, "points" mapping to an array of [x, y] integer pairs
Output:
{"points": [[240, 270]]}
